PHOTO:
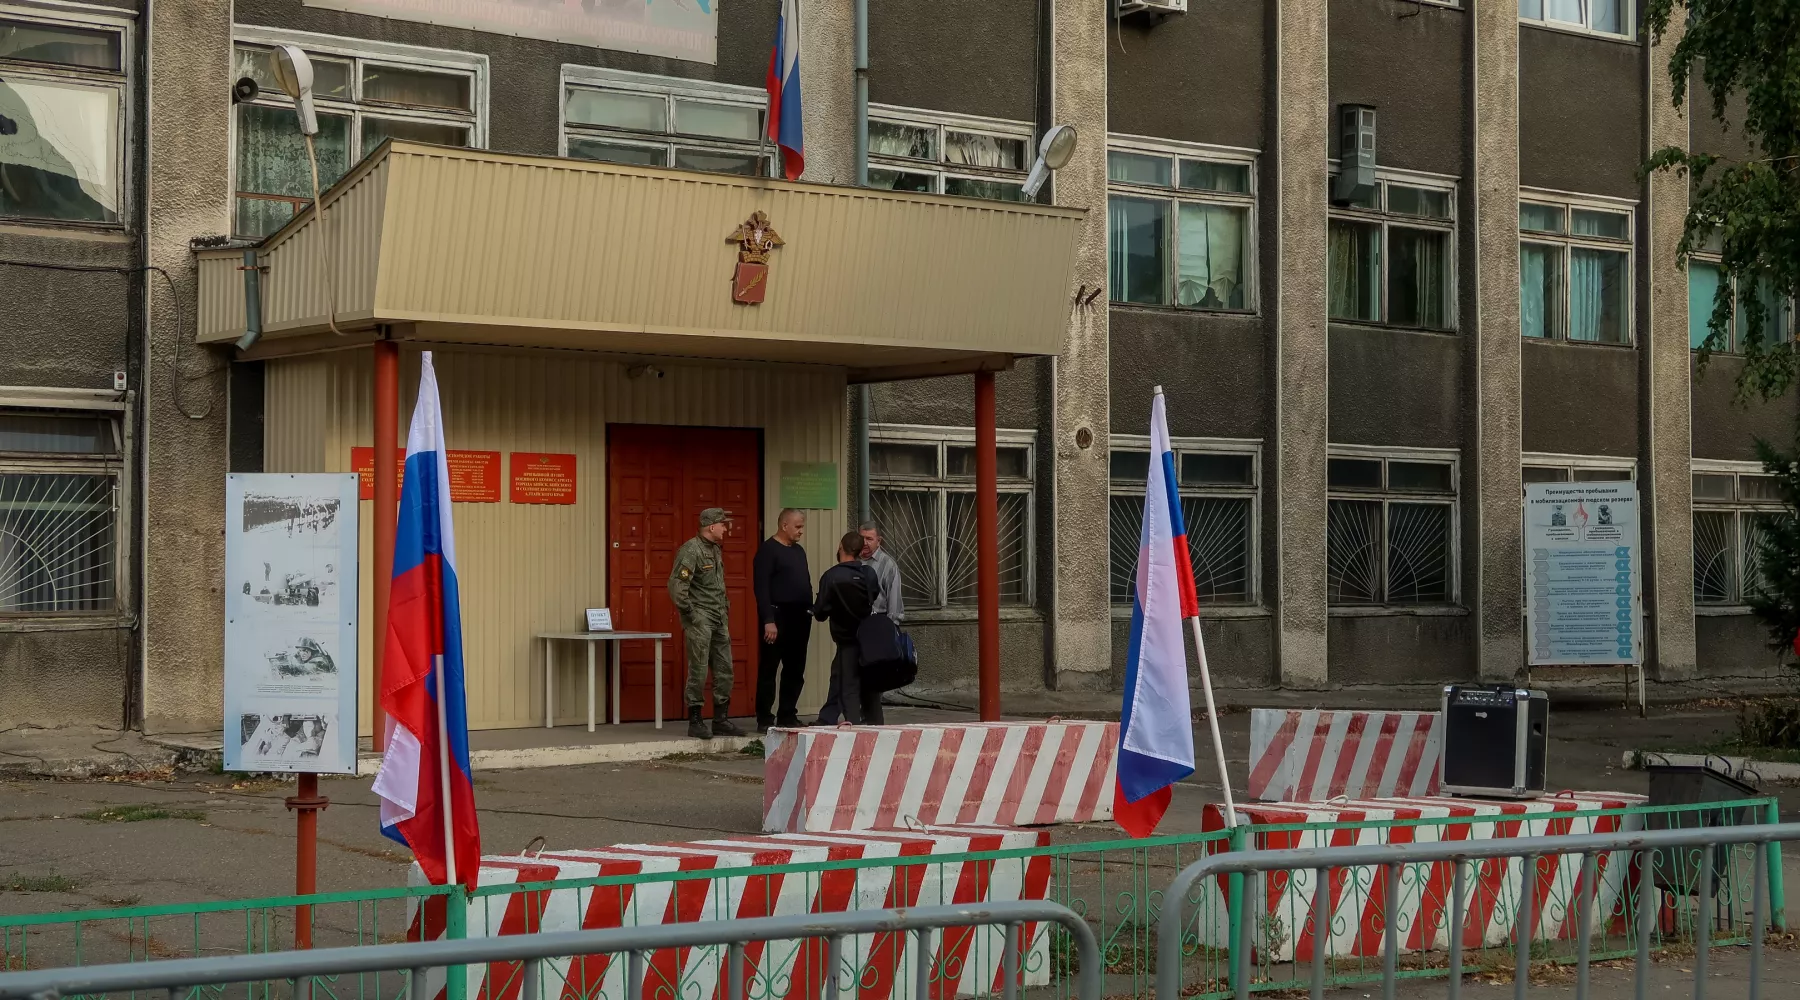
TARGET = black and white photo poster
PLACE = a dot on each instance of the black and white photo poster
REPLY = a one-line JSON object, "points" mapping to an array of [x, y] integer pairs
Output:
{"points": [[290, 622]]}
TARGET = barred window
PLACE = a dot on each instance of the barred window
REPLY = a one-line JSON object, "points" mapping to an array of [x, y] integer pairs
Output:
{"points": [[922, 493], [1217, 483], [58, 512], [1390, 530], [1732, 510]]}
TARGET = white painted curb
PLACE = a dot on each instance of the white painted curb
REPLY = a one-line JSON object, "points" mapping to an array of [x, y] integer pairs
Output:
{"points": [[369, 764]]}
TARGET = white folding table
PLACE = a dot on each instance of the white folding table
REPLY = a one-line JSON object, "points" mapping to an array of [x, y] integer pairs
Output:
{"points": [[591, 639]]}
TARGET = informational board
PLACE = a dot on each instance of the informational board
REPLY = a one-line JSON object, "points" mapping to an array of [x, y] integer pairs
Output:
{"points": [[809, 485], [290, 622], [1584, 599], [679, 29], [542, 477], [599, 620]]}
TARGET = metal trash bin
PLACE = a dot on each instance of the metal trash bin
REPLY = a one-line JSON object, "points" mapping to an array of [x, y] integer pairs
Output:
{"points": [[1678, 869]]}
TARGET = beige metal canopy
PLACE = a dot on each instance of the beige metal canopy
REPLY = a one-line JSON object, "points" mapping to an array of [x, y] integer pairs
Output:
{"points": [[464, 246]]}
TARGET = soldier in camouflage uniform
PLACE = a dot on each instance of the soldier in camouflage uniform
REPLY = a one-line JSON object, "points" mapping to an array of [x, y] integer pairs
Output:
{"points": [[697, 586]]}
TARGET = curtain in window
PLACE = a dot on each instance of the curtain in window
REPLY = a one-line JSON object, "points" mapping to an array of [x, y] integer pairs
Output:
{"points": [[271, 161], [59, 151], [1211, 259], [1564, 10], [1597, 288], [1703, 287], [1418, 289], [1771, 324], [1540, 289], [1137, 231], [1355, 279]]}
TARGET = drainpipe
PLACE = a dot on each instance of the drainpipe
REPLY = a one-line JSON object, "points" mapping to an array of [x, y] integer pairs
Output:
{"points": [[859, 419]]}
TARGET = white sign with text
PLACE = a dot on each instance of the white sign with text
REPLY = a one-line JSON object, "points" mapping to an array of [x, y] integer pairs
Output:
{"points": [[1584, 601]]}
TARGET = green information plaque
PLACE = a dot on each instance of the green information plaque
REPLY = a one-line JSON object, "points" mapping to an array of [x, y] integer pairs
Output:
{"points": [[809, 485]]}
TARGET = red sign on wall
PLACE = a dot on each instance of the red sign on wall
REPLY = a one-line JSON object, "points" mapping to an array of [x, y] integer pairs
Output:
{"points": [[474, 475], [540, 477], [363, 461]]}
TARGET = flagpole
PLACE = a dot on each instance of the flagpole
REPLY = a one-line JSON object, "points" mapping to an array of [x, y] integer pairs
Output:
{"points": [[1212, 719], [444, 775]]}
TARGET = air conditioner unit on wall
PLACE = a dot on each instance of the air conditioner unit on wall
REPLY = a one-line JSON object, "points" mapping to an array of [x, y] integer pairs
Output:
{"points": [[1124, 7]]}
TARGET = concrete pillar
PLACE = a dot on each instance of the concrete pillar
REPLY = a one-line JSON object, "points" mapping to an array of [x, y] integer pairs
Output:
{"points": [[1081, 613], [828, 111], [1295, 455], [1492, 512], [189, 156], [1665, 480]]}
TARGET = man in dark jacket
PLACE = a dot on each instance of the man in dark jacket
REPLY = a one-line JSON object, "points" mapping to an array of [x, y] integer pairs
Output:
{"points": [[784, 599], [846, 593]]}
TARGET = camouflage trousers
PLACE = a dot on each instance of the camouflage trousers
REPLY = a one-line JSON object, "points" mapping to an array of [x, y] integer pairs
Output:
{"points": [[708, 647]]}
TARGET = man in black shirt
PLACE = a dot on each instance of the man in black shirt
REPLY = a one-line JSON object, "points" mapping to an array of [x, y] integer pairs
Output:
{"points": [[784, 598], [846, 593]]}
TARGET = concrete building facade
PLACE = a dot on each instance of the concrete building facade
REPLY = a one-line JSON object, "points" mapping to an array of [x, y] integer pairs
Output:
{"points": [[1359, 377]]}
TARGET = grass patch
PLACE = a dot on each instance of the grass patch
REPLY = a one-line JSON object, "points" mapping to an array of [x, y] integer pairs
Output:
{"points": [[138, 814], [40, 883], [754, 748]]}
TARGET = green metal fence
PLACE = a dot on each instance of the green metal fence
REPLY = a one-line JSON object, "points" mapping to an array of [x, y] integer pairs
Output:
{"points": [[1116, 885]]}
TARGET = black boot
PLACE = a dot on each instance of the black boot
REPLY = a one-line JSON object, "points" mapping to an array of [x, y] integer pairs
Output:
{"points": [[722, 724], [697, 725]]}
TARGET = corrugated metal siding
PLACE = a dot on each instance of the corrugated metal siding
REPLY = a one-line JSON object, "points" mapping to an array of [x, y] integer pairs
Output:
{"points": [[524, 568], [569, 243], [219, 309], [491, 248]]}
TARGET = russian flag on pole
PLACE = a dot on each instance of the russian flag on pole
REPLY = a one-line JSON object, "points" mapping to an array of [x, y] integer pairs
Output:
{"points": [[783, 84], [1156, 736], [427, 795]]}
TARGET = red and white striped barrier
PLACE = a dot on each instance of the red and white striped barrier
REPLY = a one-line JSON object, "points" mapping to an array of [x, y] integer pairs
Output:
{"points": [[1311, 756], [1359, 906], [905, 777], [881, 964]]}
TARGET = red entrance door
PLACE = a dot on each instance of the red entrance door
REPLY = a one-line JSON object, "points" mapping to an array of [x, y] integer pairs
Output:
{"points": [[658, 480]]}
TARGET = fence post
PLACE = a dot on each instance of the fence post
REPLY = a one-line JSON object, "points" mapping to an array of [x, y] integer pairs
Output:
{"points": [[456, 928], [1777, 890], [1235, 910]]}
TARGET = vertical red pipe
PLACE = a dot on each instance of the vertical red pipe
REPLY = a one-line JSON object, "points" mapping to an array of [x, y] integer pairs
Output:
{"points": [[987, 548], [306, 806], [387, 506]]}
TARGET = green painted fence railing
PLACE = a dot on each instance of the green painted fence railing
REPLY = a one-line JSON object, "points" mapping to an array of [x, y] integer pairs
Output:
{"points": [[1116, 885]]}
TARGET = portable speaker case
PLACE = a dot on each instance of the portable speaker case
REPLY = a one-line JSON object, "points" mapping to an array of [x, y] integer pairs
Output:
{"points": [[1488, 756]]}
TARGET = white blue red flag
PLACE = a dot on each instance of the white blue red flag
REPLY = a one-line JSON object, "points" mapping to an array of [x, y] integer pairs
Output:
{"points": [[427, 795], [1156, 736], [783, 84]]}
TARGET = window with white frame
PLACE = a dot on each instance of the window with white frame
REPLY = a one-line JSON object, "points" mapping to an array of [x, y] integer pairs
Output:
{"points": [[1540, 468], [59, 483], [365, 92], [912, 150], [1390, 532], [1705, 275], [1733, 506], [663, 121], [1575, 277], [62, 111], [1181, 226], [1393, 255], [1601, 17], [922, 493], [1217, 482]]}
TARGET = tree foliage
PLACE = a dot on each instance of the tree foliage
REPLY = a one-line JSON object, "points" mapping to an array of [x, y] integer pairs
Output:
{"points": [[1748, 213], [1776, 595]]}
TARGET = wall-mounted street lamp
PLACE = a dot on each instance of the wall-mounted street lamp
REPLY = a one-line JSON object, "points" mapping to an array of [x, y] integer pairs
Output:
{"points": [[1054, 151]]}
